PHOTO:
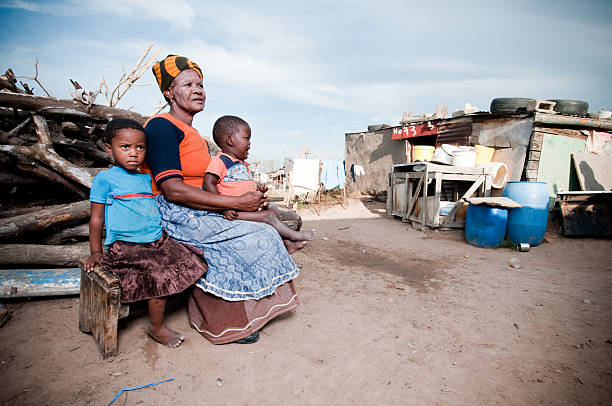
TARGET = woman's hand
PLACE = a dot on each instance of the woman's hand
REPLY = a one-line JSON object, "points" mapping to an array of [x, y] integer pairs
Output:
{"points": [[262, 188], [178, 192], [92, 261], [252, 201]]}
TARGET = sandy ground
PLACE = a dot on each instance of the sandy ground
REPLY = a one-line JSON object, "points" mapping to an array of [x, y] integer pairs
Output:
{"points": [[389, 315]]}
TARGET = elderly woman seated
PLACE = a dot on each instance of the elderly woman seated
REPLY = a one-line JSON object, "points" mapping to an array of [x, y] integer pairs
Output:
{"points": [[250, 272]]}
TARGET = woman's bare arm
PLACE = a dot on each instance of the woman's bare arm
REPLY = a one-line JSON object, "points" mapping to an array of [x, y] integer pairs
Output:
{"points": [[178, 192]]}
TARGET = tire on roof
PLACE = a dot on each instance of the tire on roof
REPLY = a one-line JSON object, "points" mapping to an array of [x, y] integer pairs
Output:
{"points": [[376, 127], [571, 107], [510, 104]]}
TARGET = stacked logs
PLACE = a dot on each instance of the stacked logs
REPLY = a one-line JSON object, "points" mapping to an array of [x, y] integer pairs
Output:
{"points": [[50, 150]]}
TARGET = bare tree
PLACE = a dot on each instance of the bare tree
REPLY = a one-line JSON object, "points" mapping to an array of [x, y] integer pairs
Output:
{"points": [[35, 78], [127, 80]]}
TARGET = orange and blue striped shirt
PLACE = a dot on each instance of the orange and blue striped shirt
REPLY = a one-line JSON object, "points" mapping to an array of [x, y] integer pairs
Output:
{"points": [[174, 150]]}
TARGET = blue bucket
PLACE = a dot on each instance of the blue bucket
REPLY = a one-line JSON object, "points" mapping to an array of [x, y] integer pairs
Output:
{"points": [[527, 224], [485, 226]]}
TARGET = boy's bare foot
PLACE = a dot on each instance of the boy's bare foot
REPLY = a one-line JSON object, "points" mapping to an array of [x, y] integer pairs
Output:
{"points": [[306, 235], [166, 336], [293, 246]]}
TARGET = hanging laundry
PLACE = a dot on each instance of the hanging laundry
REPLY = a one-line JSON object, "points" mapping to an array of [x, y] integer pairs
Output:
{"points": [[333, 174], [356, 170], [305, 175]]}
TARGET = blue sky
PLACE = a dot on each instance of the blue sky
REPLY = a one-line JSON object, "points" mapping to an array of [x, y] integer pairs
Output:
{"points": [[307, 72]]}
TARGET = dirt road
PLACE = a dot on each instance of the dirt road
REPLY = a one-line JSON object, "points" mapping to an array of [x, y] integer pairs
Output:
{"points": [[389, 315]]}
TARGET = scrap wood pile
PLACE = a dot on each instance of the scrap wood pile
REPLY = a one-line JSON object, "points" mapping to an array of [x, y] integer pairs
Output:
{"points": [[50, 150]]}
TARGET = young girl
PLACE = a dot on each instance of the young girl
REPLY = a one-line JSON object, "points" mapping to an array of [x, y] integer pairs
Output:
{"points": [[228, 174], [149, 264]]}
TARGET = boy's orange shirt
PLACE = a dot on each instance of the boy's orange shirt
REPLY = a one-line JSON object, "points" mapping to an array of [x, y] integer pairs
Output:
{"points": [[233, 181]]}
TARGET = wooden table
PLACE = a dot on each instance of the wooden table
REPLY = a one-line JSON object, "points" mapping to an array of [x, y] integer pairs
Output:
{"points": [[409, 188]]}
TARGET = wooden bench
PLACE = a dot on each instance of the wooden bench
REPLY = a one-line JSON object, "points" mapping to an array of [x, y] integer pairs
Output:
{"points": [[100, 308]]}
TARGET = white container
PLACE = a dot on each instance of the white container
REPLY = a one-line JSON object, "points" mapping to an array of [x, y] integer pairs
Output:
{"points": [[464, 158], [604, 114], [444, 154]]}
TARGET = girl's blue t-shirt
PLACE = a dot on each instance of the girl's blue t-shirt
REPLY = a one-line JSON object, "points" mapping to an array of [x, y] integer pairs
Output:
{"points": [[130, 212]]}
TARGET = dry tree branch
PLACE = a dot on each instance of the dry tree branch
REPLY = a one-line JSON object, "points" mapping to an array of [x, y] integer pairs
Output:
{"points": [[160, 106], [8, 81], [127, 81], [27, 88], [104, 89], [43, 152], [112, 96], [21, 126], [35, 78]]}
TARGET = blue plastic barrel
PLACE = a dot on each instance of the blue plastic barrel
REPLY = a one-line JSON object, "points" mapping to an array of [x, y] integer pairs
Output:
{"points": [[485, 226], [527, 224]]}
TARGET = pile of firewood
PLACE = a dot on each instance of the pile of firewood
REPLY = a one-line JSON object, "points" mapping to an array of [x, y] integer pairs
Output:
{"points": [[50, 150]]}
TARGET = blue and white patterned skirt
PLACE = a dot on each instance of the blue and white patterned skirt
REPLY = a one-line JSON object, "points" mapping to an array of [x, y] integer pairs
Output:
{"points": [[246, 259]]}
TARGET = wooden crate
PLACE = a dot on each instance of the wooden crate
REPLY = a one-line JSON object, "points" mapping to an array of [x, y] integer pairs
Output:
{"points": [[99, 309]]}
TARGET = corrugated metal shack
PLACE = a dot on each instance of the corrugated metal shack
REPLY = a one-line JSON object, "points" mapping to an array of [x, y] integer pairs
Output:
{"points": [[536, 146]]}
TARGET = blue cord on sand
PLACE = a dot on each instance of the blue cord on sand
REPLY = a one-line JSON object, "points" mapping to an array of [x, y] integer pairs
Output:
{"points": [[137, 387]]}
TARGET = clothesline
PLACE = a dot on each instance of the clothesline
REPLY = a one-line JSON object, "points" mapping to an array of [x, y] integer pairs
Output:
{"points": [[307, 174]]}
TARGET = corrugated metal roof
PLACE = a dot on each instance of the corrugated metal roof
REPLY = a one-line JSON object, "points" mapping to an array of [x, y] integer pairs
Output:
{"points": [[454, 131], [457, 130], [453, 123]]}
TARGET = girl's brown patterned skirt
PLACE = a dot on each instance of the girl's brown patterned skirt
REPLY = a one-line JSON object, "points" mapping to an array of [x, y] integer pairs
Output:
{"points": [[151, 270]]}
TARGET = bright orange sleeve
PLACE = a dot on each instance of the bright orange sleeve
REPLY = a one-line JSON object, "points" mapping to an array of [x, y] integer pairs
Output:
{"points": [[217, 167]]}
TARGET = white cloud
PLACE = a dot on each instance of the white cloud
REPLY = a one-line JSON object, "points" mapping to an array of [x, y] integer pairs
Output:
{"points": [[295, 133], [299, 82], [47, 8], [177, 13]]}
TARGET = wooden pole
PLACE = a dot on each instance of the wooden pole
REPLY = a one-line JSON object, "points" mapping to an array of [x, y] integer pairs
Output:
{"points": [[16, 226], [37, 254], [45, 106]]}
